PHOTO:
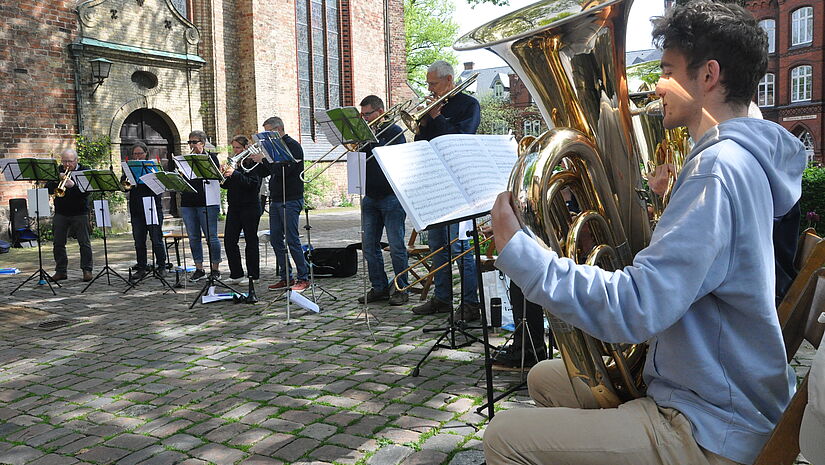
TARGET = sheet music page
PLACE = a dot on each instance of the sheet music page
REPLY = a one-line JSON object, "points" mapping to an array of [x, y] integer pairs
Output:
{"points": [[102, 216], [328, 128], [184, 167], [476, 161], [128, 173], [213, 192], [11, 171], [356, 172], [422, 182], [84, 183], [151, 180], [150, 210], [38, 199]]}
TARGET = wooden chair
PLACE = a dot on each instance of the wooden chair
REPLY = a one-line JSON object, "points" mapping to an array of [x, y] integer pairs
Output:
{"points": [[797, 316], [415, 253]]}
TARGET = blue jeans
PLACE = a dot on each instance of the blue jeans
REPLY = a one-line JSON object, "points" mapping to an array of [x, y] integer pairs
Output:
{"points": [[293, 239], [195, 219], [376, 215], [466, 266]]}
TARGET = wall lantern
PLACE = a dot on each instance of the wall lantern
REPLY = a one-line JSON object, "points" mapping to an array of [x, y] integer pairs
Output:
{"points": [[100, 71]]}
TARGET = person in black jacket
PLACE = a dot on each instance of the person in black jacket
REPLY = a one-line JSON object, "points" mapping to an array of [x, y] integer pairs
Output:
{"points": [[196, 214], [140, 228], [244, 213], [461, 114], [71, 211], [286, 197], [380, 209]]}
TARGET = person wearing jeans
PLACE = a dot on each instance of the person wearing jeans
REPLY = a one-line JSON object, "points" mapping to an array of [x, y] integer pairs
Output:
{"points": [[286, 194], [381, 209], [195, 215]]}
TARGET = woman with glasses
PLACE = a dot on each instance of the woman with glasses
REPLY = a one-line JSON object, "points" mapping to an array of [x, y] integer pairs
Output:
{"points": [[199, 217]]}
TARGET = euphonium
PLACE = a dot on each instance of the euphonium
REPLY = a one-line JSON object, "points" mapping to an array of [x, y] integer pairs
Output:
{"points": [[576, 187]]}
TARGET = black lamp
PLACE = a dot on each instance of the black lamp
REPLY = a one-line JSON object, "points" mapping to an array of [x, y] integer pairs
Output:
{"points": [[100, 71]]}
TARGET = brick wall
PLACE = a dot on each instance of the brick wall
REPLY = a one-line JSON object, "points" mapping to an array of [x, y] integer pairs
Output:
{"points": [[399, 91], [368, 42], [38, 111]]}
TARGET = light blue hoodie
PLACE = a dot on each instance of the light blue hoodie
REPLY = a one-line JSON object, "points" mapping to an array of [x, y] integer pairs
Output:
{"points": [[702, 292]]}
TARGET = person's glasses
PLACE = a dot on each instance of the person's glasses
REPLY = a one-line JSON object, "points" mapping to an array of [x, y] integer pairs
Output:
{"points": [[194, 142], [364, 115]]}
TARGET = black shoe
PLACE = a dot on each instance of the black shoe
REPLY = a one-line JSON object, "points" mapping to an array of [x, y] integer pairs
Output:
{"points": [[215, 274], [59, 276], [138, 274], [197, 275], [161, 271], [469, 312], [510, 357], [399, 298], [375, 296], [432, 306]]}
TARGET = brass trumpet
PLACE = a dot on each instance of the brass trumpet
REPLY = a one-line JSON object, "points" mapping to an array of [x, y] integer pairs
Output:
{"points": [[126, 185], [413, 120], [60, 190]]}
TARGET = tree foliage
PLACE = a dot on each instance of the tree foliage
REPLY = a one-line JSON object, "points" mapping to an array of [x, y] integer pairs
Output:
{"points": [[430, 33], [813, 196], [498, 115]]}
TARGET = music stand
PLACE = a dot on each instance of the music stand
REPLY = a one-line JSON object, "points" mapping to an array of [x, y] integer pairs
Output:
{"points": [[100, 181], [33, 169], [202, 167], [159, 182]]}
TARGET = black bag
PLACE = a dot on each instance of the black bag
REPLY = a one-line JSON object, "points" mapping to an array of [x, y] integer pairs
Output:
{"points": [[335, 262], [4, 246]]}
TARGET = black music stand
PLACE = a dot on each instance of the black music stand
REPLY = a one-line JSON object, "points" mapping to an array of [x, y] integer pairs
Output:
{"points": [[312, 284], [159, 182], [202, 167], [34, 169], [100, 181]]}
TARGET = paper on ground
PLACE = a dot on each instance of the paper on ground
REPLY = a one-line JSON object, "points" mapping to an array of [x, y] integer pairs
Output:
{"points": [[301, 301]]}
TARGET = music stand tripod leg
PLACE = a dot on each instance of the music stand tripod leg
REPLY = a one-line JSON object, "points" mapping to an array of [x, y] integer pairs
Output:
{"points": [[42, 274], [107, 270], [211, 279]]}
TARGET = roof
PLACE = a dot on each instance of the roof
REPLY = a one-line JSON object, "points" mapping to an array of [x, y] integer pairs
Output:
{"points": [[486, 79], [642, 56]]}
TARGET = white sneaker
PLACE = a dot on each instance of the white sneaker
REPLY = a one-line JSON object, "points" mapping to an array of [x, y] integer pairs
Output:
{"points": [[241, 281]]}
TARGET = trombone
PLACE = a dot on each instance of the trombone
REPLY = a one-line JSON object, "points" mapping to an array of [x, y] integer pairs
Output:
{"points": [[389, 117], [413, 120], [440, 267]]}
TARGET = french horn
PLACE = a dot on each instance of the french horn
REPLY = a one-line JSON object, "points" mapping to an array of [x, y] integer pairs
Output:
{"points": [[577, 186]]}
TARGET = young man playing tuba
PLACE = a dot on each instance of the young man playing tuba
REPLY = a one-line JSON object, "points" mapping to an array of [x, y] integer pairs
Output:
{"points": [[702, 292]]}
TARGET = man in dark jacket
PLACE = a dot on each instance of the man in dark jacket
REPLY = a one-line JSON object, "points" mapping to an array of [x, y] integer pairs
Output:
{"points": [[71, 211]]}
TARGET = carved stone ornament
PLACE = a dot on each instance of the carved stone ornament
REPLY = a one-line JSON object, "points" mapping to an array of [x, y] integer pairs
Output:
{"points": [[192, 36]]}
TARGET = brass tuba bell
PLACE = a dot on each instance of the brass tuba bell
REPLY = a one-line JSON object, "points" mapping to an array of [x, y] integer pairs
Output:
{"points": [[576, 187]]}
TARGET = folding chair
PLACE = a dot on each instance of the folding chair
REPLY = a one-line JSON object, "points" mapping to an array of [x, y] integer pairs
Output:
{"points": [[416, 253], [797, 316]]}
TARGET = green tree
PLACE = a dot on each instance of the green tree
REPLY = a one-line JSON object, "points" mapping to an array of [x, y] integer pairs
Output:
{"points": [[498, 116], [430, 33]]}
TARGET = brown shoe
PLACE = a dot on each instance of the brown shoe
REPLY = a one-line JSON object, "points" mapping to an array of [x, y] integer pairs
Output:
{"points": [[87, 276], [470, 312], [300, 285], [279, 285], [58, 276]]}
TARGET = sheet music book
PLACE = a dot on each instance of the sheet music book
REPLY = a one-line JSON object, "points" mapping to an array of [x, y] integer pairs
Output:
{"points": [[102, 216], [134, 169], [11, 171], [452, 177], [31, 169], [273, 147], [343, 125], [96, 180], [356, 161], [163, 181], [197, 166], [212, 191]]}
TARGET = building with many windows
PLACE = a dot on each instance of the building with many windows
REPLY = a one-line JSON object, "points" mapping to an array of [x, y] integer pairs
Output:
{"points": [[178, 65], [791, 92]]}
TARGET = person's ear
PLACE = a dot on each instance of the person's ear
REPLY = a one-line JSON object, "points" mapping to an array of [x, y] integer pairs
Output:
{"points": [[711, 74]]}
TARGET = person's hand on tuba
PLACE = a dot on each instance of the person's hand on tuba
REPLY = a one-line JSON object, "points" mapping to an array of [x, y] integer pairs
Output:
{"points": [[505, 222]]}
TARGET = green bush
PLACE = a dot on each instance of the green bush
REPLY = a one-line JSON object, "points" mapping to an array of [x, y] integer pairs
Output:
{"points": [[813, 196], [319, 189]]}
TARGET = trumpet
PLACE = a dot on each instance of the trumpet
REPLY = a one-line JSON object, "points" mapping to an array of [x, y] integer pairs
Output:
{"points": [[237, 161], [126, 185], [387, 119], [413, 120], [60, 190]]}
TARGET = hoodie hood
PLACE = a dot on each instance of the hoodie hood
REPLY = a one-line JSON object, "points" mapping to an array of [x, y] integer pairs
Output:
{"points": [[778, 152]]}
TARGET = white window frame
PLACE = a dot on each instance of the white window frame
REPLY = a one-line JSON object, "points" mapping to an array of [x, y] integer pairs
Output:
{"points": [[801, 83], [802, 26], [498, 89], [766, 93], [769, 26], [808, 141]]}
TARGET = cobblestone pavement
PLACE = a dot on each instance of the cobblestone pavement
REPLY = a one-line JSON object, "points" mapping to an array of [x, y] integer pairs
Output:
{"points": [[139, 378]]}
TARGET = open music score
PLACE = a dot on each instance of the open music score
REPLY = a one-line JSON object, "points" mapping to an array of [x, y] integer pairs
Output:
{"points": [[452, 177]]}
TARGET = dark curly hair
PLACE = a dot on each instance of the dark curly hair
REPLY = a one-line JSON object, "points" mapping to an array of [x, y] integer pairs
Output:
{"points": [[703, 30]]}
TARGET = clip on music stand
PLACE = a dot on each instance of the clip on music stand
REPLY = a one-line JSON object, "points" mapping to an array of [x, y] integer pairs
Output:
{"points": [[34, 169], [202, 167], [100, 181]]}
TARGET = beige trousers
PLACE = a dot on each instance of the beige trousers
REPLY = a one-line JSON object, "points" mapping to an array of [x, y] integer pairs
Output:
{"points": [[576, 431]]}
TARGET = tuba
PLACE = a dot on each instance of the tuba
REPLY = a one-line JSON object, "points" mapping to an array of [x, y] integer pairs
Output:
{"points": [[577, 186]]}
